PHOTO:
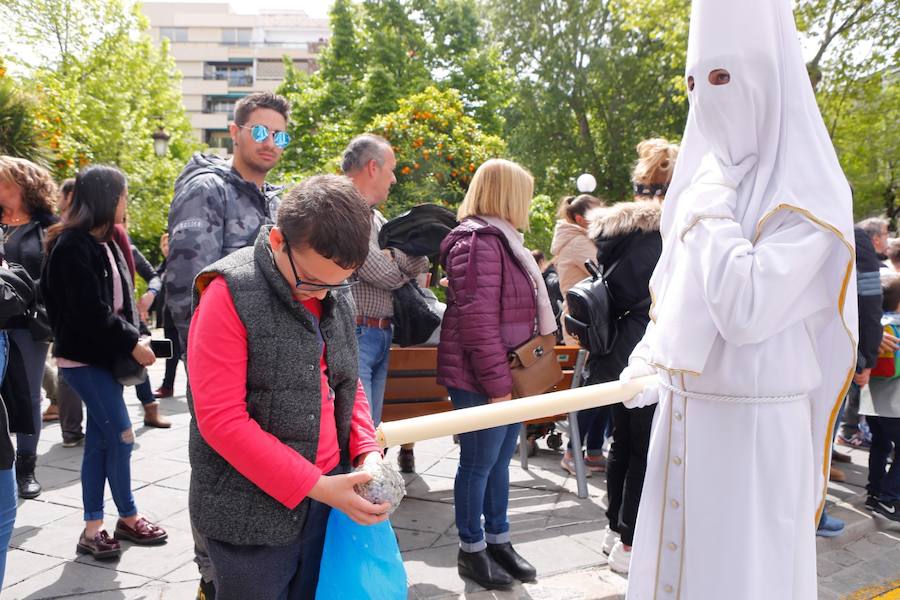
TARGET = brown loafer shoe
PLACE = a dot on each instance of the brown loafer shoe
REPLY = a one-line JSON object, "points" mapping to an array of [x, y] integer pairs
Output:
{"points": [[144, 532], [51, 414], [163, 392], [101, 546]]}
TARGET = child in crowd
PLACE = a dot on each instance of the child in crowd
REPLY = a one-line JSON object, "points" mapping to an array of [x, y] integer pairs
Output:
{"points": [[884, 417]]}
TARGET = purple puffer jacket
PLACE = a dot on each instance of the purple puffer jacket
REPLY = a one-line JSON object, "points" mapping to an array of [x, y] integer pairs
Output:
{"points": [[491, 309]]}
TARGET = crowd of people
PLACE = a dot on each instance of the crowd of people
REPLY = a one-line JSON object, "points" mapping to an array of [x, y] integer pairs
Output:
{"points": [[281, 304]]}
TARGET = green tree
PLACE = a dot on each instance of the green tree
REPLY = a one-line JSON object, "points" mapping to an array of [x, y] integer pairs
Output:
{"points": [[380, 52], [102, 92], [438, 147], [18, 131], [594, 78]]}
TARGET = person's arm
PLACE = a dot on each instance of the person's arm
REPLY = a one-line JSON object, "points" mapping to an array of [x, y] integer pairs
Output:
{"points": [[362, 430], [151, 276], [753, 292], [196, 239], [381, 271], [217, 369], [479, 308]]}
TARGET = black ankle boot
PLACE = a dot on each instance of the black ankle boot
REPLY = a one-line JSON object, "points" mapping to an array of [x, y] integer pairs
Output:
{"points": [[510, 560], [28, 486], [483, 570]]}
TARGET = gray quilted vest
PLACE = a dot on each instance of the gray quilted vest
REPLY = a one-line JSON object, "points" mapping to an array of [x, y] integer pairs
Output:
{"points": [[283, 395]]}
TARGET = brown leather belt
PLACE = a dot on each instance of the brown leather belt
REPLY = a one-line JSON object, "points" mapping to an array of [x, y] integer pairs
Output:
{"points": [[384, 323]]}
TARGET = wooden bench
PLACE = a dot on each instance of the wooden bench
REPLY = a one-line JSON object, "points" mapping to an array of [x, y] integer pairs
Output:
{"points": [[412, 390]]}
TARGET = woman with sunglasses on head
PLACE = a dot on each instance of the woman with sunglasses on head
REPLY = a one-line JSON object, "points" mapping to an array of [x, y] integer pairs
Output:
{"points": [[27, 199], [87, 287]]}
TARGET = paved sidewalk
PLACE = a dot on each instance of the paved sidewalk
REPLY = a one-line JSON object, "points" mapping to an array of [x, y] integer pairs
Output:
{"points": [[560, 533]]}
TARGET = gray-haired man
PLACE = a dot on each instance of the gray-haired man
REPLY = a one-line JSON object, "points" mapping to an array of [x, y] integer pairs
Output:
{"points": [[369, 162]]}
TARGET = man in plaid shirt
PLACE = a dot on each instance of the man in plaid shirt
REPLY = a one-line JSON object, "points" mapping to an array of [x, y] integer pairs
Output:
{"points": [[369, 162]]}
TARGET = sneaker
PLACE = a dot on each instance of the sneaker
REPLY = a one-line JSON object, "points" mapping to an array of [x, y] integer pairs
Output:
{"points": [[888, 510], [830, 527], [595, 464], [568, 464], [610, 538], [854, 441], [620, 559], [70, 441], [871, 501]]}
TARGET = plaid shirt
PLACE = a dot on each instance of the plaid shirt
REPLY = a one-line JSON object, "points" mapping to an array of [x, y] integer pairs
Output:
{"points": [[380, 274]]}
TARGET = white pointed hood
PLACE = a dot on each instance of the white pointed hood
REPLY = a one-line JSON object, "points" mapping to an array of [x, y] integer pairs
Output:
{"points": [[762, 131]]}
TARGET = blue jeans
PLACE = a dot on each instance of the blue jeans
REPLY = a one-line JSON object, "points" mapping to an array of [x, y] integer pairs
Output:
{"points": [[144, 392], [885, 438], [482, 478], [108, 441], [374, 351], [8, 494], [592, 425]]}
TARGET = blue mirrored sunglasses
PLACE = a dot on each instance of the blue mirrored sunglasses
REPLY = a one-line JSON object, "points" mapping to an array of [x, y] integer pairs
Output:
{"points": [[260, 133]]}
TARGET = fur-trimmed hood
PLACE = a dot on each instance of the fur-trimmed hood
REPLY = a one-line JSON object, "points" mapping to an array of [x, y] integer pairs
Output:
{"points": [[624, 218]]}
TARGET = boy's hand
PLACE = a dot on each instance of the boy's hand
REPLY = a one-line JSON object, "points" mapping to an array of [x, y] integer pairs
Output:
{"points": [[337, 491], [889, 343], [861, 379]]}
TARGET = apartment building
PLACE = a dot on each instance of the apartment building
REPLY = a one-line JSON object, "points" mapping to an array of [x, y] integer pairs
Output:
{"points": [[223, 56]]}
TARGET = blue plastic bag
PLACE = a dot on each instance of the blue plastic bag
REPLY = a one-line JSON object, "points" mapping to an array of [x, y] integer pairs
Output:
{"points": [[360, 561]]}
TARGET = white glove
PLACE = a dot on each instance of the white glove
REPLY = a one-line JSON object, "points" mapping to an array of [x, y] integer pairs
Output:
{"points": [[637, 367]]}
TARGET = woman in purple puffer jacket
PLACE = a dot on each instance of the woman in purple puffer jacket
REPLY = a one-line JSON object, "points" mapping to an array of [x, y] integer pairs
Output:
{"points": [[496, 301]]}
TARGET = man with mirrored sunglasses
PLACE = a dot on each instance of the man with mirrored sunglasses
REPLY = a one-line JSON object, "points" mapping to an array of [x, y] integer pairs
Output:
{"points": [[219, 207]]}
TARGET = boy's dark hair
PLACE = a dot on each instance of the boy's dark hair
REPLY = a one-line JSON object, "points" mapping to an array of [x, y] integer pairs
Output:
{"points": [[326, 213], [890, 288], [246, 105]]}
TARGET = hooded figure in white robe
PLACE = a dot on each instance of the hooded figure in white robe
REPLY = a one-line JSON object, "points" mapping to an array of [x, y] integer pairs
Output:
{"points": [[753, 331]]}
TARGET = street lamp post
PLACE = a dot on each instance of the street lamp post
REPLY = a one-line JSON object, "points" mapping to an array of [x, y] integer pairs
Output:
{"points": [[586, 183], [160, 142]]}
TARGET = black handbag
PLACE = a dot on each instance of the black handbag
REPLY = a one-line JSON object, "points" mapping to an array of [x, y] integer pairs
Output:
{"points": [[128, 371], [413, 321]]}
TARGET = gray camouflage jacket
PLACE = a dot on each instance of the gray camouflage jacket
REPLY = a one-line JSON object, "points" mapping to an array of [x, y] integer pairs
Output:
{"points": [[214, 213]]}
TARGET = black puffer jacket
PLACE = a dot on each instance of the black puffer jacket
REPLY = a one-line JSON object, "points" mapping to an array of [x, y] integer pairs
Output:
{"points": [[628, 231]]}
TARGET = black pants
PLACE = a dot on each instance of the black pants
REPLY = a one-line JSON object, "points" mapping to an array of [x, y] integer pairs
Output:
{"points": [[626, 466], [171, 332], [272, 572], [884, 480]]}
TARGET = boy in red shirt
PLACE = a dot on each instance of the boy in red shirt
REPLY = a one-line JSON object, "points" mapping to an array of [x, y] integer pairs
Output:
{"points": [[279, 413]]}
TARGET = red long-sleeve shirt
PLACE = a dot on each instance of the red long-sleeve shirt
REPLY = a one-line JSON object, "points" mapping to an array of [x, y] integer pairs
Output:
{"points": [[217, 369]]}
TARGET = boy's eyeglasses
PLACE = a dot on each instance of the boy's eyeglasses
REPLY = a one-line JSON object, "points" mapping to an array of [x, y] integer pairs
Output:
{"points": [[306, 286], [260, 133]]}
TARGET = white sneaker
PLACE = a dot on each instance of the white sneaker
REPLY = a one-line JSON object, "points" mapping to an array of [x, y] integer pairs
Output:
{"points": [[620, 558], [610, 538]]}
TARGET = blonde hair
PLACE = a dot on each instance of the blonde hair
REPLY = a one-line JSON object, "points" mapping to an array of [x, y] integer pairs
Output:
{"points": [[38, 188], [656, 161], [499, 188]]}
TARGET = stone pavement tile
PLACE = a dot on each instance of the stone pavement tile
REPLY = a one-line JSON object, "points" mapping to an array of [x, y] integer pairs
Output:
{"points": [[865, 549], [150, 561], [36, 513], [432, 572], [885, 538], [180, 520], [551, 554], [534, 501], [445, 467], [62, 458], [185, 573], [415, 540], [589, 534], [825, 567], [53, 477], [181, 481], [419, 515], [430, 487], [157, 503], [844, 558], [574, 508], [56, 539], [20, 565], [74, 578], [154, 469], [179, 454]]}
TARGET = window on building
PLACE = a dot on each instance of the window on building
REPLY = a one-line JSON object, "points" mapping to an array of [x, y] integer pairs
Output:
{"points": [[220, 104], [233, 36], [270, 69], [174, 34], [219, 138], [239, 74]]}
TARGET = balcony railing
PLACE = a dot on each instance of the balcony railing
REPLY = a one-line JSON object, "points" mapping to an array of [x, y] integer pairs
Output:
{"points": [[233, 80]]}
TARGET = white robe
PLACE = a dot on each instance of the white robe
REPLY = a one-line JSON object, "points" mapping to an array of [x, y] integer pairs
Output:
{"points": [[729, 501]]}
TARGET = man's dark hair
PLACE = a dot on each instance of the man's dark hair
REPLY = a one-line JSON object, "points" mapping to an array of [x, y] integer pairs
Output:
{"points": [[326, 213], [361, 150], [246, 105], [873, 226], [890, 289]]}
